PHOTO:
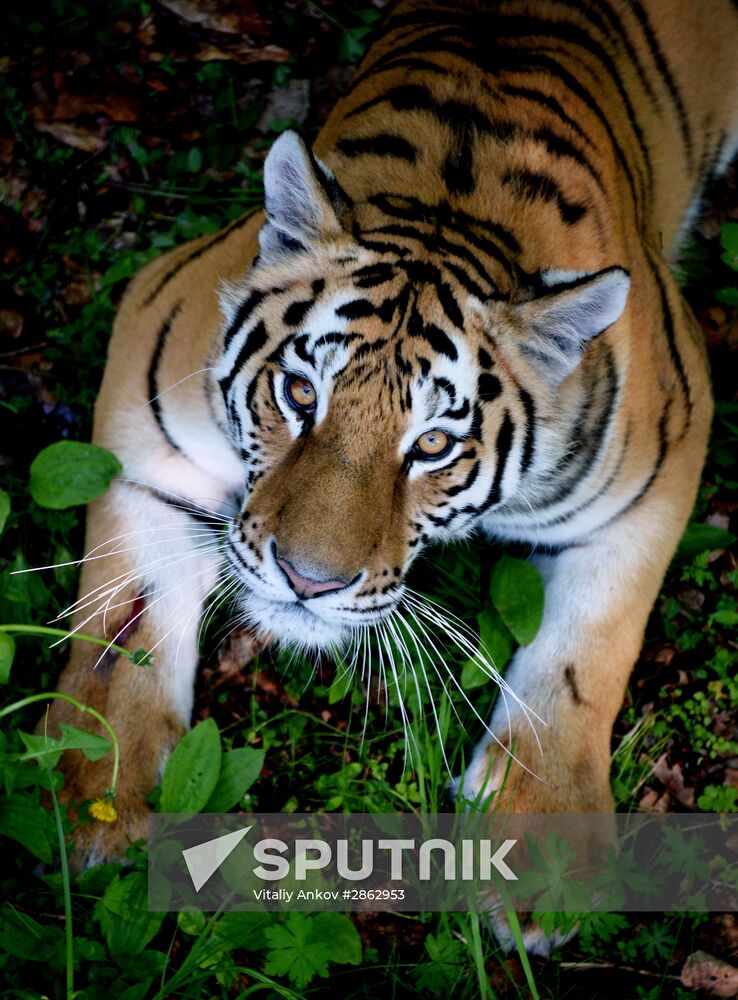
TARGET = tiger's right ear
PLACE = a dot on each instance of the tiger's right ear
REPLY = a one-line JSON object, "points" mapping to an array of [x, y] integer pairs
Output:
{"points": [[303, 201]]}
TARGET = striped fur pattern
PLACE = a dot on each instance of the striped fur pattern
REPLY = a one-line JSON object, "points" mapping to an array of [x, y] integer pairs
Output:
{"points": [[477, 247]]}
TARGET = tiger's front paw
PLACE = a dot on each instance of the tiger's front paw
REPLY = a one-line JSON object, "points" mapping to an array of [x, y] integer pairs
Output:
{"points": [[106, 833]]}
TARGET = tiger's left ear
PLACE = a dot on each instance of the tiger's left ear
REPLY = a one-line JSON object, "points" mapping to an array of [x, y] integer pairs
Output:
{"points": [[302, 199], [559, 324]]}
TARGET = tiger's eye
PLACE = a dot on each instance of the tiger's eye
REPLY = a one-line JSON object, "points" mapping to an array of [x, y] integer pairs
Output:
{"points": [[432, 443], [300, 393]]}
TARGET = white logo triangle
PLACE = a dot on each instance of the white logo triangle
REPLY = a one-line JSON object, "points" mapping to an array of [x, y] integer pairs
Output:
{"points": [[203, 860]]}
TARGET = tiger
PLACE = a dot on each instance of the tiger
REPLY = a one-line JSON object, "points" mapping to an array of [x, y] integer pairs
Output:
{"points": [[456, 313]]}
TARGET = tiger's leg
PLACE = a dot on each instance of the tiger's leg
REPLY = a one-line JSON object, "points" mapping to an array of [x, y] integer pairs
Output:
{"points": [[148, 571], [599, 594]]}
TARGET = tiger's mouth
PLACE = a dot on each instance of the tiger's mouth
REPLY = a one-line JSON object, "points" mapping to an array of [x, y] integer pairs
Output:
{"points": [[273, 606]]}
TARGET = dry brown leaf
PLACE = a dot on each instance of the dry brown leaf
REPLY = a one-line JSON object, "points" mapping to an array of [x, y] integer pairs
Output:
{"points": [[74, 135], [115, 102], [11, 323], [242, 53], [237, 652], [673, 780], [710, 975], [232, 18]]}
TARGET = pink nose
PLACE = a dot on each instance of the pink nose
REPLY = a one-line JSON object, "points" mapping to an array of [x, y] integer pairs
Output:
{"points": [[303, 586]]}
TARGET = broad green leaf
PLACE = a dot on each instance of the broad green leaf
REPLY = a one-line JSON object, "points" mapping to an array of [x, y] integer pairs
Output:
{"points": [[516, 589], [441, 974], [341, 936], [245, 930], [341, 686], [49, 748], [21, 593], [25, 821], [124, 916], [294, 953], [239, 769], [70, 473], [729, 242], [703, 538], [728, 296], [94, 747], [497, 641], [725, 617], [192, 771], [7, 652], [27, 939], [4, 509]]}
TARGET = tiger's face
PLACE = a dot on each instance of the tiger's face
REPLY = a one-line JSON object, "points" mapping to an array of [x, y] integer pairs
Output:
{"points": [[377, 405]]}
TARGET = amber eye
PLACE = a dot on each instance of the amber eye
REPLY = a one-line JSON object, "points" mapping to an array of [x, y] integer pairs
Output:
{"points": [[432, 444], [300, 394]]}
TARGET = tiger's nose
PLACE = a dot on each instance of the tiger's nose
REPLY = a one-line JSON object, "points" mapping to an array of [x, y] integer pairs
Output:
{"points": [[303, 586]]}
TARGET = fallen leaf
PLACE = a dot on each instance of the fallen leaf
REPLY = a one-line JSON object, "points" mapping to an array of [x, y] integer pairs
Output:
{"points": [[11, 323], [237, 653], [235, 18], [710, 975], [116, 102], [673, 780], [242, 53], [74, 135]]}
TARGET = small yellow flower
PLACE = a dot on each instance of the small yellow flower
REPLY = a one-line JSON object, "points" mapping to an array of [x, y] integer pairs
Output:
{"points": [[103, 810]]}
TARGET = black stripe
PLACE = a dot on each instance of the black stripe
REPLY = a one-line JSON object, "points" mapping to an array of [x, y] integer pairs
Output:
{"points": [[373, 275], [536, 97], [434, 43], [661, 456], [586, 441], [537, 61], [358, 309], [670, 331], [542, 186], [198, 252], [181, 504], [515, 26], [465, 281], [489, 387], [153, 377], [459, 413], [530, 429], [669, 81], [449, 305], [254, 342], [471, 477], [295, 313], [381, 246], [242, 314], [399, 62], [502, 449], [437, 242], [560, 147], [251, 392], [379, 145], [442, 215], [615, 32], [438, 340], [591, 500]]}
